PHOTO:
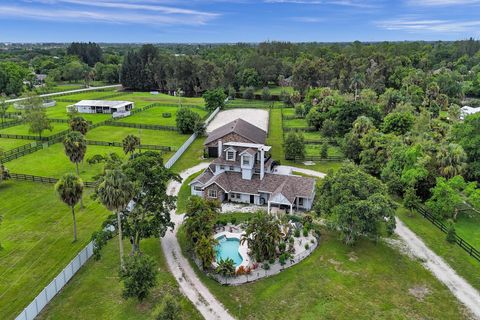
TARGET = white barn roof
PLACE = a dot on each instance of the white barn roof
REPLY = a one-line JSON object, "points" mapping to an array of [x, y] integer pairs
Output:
{"points": [[103, 103]]}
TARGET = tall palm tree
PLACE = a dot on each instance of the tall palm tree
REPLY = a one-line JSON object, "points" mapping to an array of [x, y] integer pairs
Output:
{"points": [[70, 190], [205, 250], [79, 124], [356, 82], [115, 191], [75, 147], [130, 143]]}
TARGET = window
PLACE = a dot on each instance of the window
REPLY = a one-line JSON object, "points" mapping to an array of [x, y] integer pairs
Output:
{"points": [[300, 202], [230, 155], [197, 188], [246, 160], [212, 193], [222, 167], [232, 168]]}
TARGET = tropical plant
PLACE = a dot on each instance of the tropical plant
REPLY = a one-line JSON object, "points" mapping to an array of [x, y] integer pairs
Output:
{"points": [[170, 310], [200, 217], [70, 190], [75, 147], [262, 235], [226, 268], [205, 250], [451, 160], [130, 143], [115, 191], [139, 276], [79, 124]]}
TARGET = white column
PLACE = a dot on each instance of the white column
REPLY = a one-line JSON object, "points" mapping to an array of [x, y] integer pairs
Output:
{"points": [[262, 163], [220, 147], [291, 208], [268, 205]]}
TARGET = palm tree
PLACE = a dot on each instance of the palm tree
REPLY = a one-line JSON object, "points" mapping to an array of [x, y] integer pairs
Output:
{"points": [[75, 147], [79, 124], [357, 81], [70, 190], [115, 192], [205, 250], [451, 160], [130, 143], [226, 267], [262, 234]]}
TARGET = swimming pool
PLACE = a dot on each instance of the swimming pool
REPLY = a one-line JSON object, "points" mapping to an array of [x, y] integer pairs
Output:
{"points": [[228, 248]]}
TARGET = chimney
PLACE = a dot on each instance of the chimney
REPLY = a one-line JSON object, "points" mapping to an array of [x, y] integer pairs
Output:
{"points": [[262, 163], [220, 148]]}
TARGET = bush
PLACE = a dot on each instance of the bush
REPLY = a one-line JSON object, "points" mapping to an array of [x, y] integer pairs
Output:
{"points": [[300, 110], [282, 246], [232, 93], [296, 233], [291, 240], [187, 120], [266, 94], [307, 246], [249, 93], [305, 232], [294, 146], [233, 220], [266, 266], [451, 231], [139, 275], [170, 310], [324, 151], [166, 115], [271, 261], [282, 259]]}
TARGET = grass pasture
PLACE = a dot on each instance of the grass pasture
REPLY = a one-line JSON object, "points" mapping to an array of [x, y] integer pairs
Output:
{"points": [[9, 144], [295, 123], [36, 235], [96, 293], [155, 116], [24, 129], [367, 281], [147, 136], [314, 150]]}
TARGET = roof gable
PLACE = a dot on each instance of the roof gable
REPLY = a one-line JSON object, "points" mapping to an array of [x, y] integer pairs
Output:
{"points": [[240, 127]]}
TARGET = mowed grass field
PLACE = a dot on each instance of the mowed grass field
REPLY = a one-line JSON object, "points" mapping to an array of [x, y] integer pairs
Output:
{"points": [[96, 293], [52, 162], [36, 235], [367, 281], [155, 116], [152, 137], [9, 144], [24, 129]]}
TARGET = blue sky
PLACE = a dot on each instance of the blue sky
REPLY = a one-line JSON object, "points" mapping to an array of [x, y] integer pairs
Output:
{"points": [[237, 20]]}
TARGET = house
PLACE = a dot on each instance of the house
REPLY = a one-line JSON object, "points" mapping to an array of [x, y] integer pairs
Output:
{"points": [[102, 106], [466, 111], [242, 172], [238, 130]]}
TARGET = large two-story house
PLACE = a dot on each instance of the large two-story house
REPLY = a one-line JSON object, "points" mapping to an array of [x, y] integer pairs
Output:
{"points": [[242, 171]]}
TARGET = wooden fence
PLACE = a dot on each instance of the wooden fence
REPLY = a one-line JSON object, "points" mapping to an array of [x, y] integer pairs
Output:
{"points": [[120, 144], [20, 153], [140, 126], [462, 243], [49, 180]]}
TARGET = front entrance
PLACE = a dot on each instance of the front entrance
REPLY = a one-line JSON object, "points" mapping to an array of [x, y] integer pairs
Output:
{"points": [[252, 199]]}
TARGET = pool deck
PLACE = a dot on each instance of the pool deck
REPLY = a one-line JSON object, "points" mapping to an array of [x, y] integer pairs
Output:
{"points": [[242, 249]]}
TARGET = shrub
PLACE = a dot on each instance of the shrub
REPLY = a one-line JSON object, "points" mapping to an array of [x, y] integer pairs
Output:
{"points": [[214, 99], [187, 120], [451, 231], [249, 93], [291, 240], [139, 275], [266, 266], [305, 232], [232, 93], [166, 115], [233, 220], [296, 233], [324, 150], [282, 246], [170, 310], [271, 261], [300, 110], [266, 94], [282, 259], [307, 246]]}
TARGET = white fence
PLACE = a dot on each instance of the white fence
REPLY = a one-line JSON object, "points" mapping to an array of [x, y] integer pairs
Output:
{"points": [[47, 294]]}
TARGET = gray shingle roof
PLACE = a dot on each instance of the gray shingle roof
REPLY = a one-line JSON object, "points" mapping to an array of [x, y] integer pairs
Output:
{"points": [[240, 127]]}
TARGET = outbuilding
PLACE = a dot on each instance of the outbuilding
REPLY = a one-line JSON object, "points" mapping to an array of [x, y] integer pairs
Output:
{"points": [[103, 106]]}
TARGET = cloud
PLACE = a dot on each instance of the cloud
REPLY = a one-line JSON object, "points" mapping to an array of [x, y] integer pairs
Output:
{"points": [[55, 14], [415, 24], [346, 3], [308, 19], [441, 3]]}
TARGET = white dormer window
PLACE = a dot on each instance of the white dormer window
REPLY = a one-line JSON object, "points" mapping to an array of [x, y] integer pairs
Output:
{"points": [[246, 160], [230, 155]]}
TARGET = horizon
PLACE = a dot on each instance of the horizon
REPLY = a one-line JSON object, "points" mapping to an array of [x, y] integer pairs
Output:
{"points": [[238, 21]]}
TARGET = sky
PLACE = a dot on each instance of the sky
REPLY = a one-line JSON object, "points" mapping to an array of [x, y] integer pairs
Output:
{"points": [[218, 21]]}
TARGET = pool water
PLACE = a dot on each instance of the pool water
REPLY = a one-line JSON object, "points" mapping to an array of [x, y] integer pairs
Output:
{"points": [[228, 248]]}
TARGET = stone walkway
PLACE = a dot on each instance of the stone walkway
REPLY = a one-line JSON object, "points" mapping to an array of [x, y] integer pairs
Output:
{"points": [[190, 284]]}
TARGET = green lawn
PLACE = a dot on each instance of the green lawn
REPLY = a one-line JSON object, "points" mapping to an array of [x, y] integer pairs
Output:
{"points": [[23, 129], [275, 90], [468, 227], [296, 123], [154, 116], [9, 144], [456, 257], [288, 111], [96, 293], [153, 137], [244, 103], [367, 281], [191, 157], [161, 98], [275, 139], [60, 112], [314, 150], [36, 235], [52, 162], [185, 192]]}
